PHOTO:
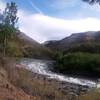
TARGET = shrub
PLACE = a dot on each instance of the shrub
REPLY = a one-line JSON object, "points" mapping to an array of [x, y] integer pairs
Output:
{"points": [[79, 63]]}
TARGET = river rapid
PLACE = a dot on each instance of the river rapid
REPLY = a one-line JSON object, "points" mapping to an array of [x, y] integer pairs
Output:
{"points": [[42, 67]]}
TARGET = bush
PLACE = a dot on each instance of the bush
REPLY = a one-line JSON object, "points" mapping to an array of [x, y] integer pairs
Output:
{"points": [[79, 63], [90, 48], [14, 50]]}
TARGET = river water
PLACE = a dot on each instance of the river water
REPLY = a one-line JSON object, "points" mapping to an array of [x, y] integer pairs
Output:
{"points": [[42, 67]]}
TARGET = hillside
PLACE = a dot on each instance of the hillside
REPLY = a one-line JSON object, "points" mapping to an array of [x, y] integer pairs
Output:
{"points": [[17, 83], [78, 54], [76, 41], [7, 90], [20, 45], [31, 48]]}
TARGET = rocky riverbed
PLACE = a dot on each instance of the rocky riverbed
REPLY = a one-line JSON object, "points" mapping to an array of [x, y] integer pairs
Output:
{"points": [[65, 87]]}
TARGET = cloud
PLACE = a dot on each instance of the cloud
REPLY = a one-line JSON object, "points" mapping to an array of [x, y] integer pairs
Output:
{"points": [[42, 27], [2, 5]]}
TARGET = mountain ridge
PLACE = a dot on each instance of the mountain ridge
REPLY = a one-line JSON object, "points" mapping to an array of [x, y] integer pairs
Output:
{"points": [[74, 39]]}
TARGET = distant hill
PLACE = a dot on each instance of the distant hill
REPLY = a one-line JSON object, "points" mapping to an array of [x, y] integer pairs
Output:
{"points": [[26, 39], [76, 41], [31, 48]]}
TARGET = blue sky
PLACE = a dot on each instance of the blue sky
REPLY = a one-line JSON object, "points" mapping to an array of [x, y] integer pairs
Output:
{"points": [[55, 19], [59, 8]]}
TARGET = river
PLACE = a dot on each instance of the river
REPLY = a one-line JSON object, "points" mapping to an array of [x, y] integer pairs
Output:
{"points": [[42, 67]]}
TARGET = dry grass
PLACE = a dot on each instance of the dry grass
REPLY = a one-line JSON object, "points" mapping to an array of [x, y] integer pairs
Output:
{"points": [[25, 83], [25, 80], [8, 91], [93, 95], [37, 87]]}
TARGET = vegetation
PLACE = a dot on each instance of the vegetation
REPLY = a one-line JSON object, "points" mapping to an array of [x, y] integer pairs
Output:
{"points": [[93, 95], [78, 63], [11, 39], [10, 15], [7, 26], [92, 1], [79, 60], [6, 34], [29, 82], [86, 48]]}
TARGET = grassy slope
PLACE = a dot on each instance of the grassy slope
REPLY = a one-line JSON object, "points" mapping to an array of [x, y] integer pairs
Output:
{"points": [[22, 84], [8, 91], [20, 45], [94, 95], [31, 48]]}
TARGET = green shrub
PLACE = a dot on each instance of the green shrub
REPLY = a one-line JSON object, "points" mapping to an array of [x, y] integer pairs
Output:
{"points": [[14, 50], [79, 63]]}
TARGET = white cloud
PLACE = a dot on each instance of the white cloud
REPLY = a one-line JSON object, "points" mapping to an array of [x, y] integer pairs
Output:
{"points": [[2, 5], [41, 27]]}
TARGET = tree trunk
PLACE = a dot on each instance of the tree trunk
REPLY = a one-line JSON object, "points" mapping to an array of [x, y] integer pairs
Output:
{"points": [[5, 42]]}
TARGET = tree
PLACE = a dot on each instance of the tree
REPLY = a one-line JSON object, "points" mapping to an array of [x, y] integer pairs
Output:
{"points": [[10, 14], [1, 17], [6, 34], [92, 1], [7, 27]]}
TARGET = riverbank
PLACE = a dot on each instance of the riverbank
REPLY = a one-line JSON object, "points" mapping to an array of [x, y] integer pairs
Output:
{"points": [[40, 71], [38, 86], [68, 91], [43, 67], [53, 88], [79, 64]]}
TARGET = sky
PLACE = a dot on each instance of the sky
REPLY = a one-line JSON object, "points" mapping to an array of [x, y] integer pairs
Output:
{"points": [[45, 20]]}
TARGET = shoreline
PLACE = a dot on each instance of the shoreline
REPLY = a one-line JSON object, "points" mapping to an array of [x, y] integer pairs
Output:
{"points": [[65, 87]]}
